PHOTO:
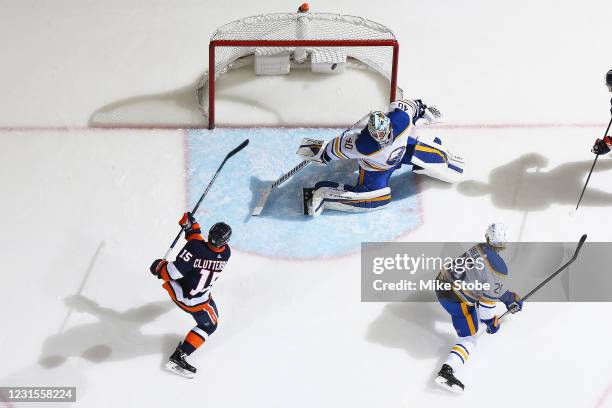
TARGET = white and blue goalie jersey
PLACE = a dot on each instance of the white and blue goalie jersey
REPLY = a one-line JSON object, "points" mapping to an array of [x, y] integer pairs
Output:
{"points": [[370, 154]]}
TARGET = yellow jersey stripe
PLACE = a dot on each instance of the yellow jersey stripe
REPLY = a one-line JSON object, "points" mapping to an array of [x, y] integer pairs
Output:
{"points": [[428, 149], [468, 318], [368, 200]]}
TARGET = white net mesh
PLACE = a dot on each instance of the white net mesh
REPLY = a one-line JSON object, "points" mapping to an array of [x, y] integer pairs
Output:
{"points": [[300, 26]]}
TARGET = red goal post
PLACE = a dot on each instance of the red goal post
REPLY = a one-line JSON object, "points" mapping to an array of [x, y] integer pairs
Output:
{"points": [[320, 41]]}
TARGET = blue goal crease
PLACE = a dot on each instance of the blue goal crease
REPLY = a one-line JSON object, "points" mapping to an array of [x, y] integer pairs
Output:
{"points": [[282, 230]]}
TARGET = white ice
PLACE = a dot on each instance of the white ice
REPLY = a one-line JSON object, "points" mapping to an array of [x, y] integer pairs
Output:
{"points": [[84, 196]]}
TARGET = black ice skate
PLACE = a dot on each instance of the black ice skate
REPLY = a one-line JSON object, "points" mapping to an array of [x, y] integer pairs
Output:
{"points": [[178, 365], [447, 380], [307, 200]]}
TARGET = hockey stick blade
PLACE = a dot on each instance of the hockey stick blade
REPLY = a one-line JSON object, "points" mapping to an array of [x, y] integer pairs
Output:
{"points": [[558, 271], [261, 203], [210, 183]]}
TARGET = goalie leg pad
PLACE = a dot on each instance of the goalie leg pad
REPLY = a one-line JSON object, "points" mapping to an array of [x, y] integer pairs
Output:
{"points": [[334, 196], [432, 160]]}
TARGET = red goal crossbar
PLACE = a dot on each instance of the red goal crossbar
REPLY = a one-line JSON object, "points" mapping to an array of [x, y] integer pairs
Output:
{"points": [[293, 43]]}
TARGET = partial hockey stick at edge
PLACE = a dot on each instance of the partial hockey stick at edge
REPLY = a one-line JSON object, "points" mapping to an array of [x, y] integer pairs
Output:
{"points": [[195, 208], [558, 271], [594, 163], [587, 181]]}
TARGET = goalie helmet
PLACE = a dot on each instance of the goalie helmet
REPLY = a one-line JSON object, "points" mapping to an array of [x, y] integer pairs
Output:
{"points": [[609, 80], [497, 235], [379, 127], [219, 234]]}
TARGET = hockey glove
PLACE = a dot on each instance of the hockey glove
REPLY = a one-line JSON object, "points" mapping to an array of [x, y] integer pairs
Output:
{"points": [[426, 115], [189, 224], [432, 115], [157, 266], [493, 325], [314, 151], [601, 147], [513, 301], [325, 157]]}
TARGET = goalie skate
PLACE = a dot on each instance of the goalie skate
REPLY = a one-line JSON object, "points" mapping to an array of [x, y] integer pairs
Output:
{"points": [[307, 200], [448, 381]]}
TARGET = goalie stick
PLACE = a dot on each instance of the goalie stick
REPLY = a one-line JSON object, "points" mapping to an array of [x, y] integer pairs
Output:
{"points": [[263, 198], [195, 208], [266, 193], [558, 271]]}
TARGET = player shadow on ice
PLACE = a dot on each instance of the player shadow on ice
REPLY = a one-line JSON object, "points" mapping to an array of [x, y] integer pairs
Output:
{"points": [[115, 336], [412, 325], [285, 202], [522, 184]]}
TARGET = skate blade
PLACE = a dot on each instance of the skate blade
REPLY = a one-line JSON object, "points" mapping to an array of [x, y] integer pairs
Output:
{"points": [[441, 381], [172, 367]]}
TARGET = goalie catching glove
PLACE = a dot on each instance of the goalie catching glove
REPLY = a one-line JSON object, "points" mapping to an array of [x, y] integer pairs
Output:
{"points": [[421, 113]]}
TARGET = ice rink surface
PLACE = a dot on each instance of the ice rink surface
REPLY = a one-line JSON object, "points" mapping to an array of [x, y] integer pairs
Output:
{"points": [[96, 168]]}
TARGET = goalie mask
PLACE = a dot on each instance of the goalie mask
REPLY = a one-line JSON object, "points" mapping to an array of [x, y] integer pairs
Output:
{"points": [[379, 127]]}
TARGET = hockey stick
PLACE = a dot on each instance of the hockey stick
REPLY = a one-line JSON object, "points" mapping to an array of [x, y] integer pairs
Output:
{"points": [[555, 273], [594, 162], [588, 178], [263, 198], [195, 208], [266, 193]]}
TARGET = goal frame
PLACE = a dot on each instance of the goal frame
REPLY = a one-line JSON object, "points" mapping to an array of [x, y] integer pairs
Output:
{"points": [[214, 44]]}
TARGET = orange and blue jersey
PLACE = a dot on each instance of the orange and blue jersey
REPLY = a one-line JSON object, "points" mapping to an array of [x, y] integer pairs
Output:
{"points": [[190, 277]]}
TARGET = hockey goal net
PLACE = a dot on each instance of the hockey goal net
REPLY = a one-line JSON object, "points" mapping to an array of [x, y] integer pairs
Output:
{"points": [[276, 43]]}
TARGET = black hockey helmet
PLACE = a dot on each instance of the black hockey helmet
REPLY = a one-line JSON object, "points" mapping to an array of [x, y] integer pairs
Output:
{"points": [[219, 234], [609, 80]]}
